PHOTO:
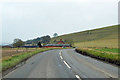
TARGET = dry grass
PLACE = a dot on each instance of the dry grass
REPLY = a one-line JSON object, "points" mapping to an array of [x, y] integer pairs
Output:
{"points": [[109, 43], [9, 52], [104, 50]]}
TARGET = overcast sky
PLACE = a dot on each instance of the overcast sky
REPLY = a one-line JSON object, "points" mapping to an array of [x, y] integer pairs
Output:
{"points": [[28, 19]]}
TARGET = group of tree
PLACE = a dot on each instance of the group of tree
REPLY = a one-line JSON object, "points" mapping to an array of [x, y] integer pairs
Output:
{"points": [[43, 40], [39, 44], [39, 40], [18, 43]]}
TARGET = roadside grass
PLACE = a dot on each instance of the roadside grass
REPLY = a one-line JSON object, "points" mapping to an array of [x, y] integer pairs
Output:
{"points": [[101, 54], [14, 60], [113, 50]]}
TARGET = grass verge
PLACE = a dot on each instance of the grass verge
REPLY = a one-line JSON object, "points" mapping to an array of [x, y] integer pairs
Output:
{"points": [[111, 58], [14, 60]]}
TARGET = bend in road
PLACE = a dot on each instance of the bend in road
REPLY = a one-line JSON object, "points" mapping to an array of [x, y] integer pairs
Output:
{"points": [[63, 64]]}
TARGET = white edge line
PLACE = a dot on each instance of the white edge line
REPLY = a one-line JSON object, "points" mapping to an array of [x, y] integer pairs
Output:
{"points": [[66, 64]]}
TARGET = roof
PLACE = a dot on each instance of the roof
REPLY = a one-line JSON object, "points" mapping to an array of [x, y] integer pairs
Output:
{"points": [[59, 42], [28, 42], [29, 46]]}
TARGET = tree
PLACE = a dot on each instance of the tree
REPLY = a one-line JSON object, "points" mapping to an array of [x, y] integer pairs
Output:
{"points": [[44, 39], [16, 40], [54, 41], [18, 43], [55, 35], [39, 44]]}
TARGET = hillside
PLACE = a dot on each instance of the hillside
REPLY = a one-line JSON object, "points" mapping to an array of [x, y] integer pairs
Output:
{"points": [[102, 37]]}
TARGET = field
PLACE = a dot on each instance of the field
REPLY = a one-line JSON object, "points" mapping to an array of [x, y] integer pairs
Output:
{"points": [[109, 43], [112, 51], [9, 52]]}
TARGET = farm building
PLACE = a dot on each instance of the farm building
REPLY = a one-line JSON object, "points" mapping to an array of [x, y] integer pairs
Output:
{"points": [[30, 45], [57, 45], [60, 42], [7, 46]]}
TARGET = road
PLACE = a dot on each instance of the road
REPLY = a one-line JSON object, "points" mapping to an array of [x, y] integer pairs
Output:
{"points": [[64, 63]]}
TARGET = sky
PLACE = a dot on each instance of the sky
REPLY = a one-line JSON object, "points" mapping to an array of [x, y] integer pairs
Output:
{"points": [[29, 19]]}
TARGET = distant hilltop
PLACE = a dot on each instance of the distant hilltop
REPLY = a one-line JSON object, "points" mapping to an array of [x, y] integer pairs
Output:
{"points": [[101, 37]]}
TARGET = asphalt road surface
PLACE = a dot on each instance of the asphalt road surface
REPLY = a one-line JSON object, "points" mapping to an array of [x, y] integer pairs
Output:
{"points": [[63, 64]]}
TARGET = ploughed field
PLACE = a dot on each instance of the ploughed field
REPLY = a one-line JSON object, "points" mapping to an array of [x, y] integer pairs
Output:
{"points": [[9, 52]]}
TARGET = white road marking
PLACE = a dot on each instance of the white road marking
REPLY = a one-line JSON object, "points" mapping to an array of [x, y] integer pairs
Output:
{"points": [[61, 57], [60, 53], [66, 64], [77, 77]]}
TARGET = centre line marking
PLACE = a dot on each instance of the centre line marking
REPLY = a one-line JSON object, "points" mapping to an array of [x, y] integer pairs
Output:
{"points": [[59, 53], [66, 64], [61, 57], [77, 77]]}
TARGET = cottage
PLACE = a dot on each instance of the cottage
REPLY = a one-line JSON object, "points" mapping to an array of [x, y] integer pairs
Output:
{"points": [[30, 45], [57, 45], [60, 42]]}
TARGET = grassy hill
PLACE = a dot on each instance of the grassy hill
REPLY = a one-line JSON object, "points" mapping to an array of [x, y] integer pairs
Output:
{"points": [[102, 37]]}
